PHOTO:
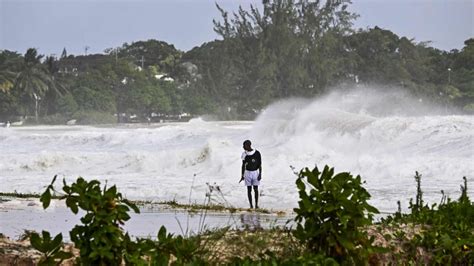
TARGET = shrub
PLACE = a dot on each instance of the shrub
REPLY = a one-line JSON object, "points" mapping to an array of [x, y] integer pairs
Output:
{"points": [[55, 119], [94, 117], [332, 209], [447, 229], [66, 104]]}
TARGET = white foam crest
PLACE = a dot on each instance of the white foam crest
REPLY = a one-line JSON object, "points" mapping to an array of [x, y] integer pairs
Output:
{"points": [[358, 132]]}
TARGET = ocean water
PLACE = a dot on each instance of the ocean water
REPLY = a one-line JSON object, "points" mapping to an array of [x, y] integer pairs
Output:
{"points": [[384, 137]]}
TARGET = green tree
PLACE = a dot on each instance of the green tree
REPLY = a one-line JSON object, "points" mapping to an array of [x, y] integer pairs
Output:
{"points": [[10, 104], [33, 79], [67, 105], [291, 48], [94, 100], [9, 64], [153, 53], [51, 97], [380, 58], [146, 96], [462, 76], [208, 78], [122, 77]]}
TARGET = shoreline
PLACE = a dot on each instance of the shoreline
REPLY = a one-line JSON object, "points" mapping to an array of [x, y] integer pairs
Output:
{"points": [[167, 204], [18, 215]]}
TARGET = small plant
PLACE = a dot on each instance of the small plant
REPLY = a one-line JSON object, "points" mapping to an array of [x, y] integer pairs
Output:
{"points": [[50, 247], [100, 238], [419, 193], [332, 209]]}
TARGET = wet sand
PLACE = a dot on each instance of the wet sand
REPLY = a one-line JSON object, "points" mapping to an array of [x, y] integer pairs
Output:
{"points": [[18, 215]]}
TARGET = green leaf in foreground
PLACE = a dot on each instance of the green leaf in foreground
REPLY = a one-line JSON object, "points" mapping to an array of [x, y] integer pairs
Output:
{"points": [[46, 198]]}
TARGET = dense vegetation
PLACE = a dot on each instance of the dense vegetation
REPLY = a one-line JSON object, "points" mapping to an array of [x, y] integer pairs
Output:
{"points": [[333, 227], [290, 48], [446, 230]]}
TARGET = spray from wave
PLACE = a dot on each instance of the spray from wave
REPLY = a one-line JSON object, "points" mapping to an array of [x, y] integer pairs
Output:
{"points": [[383, 135]]}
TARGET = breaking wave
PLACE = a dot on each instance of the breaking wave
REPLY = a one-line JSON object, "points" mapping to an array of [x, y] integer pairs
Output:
{"points": [[383, 136]]}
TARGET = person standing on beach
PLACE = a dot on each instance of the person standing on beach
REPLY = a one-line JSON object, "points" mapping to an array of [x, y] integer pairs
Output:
{"points": [[251, 171]]}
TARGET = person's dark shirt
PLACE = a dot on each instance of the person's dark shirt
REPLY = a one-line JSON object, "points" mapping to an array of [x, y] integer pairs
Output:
{"points": [[253, 162]]}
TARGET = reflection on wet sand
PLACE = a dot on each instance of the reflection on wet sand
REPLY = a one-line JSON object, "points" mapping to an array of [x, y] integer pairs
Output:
{"points": [[250, 221]]}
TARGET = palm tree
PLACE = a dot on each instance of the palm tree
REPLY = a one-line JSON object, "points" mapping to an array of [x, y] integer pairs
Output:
{"points": [[7, 70], [51, 96], [6, 80], [34, 80]]}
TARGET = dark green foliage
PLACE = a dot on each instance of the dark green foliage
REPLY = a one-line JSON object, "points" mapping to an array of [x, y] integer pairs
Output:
{"points": [[93, 117], [184, 249], [34, 80], [447, 229], [155, 53], [331, 213], [54, 119], [90, 100], [9, 65], [50, 247], [167, 248], [462, 75], [10, 105]]}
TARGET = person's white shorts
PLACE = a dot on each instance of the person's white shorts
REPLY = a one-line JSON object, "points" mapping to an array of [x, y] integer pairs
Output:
{"points": [[251, 178]]}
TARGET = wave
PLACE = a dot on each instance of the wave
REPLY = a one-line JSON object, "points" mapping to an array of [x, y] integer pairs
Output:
{"points": [[383, 136], [363, 120]]}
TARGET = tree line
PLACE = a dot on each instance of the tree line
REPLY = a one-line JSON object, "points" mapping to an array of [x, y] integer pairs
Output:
{"points": [[289, 48]]}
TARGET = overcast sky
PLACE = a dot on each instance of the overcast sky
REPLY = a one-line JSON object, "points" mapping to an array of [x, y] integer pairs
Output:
{"points": [[51, 25]]}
